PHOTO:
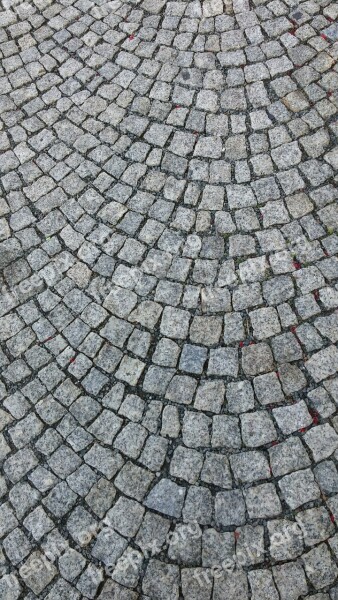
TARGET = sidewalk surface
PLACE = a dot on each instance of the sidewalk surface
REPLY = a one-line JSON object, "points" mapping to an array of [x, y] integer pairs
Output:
{"points": [[169, 296]]}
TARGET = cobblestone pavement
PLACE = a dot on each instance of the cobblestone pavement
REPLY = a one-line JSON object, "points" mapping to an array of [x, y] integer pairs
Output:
{"points": [[169, 300]]}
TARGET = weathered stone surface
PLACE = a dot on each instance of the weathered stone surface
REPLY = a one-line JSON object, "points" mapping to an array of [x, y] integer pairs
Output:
{"points": [[169, 297]]}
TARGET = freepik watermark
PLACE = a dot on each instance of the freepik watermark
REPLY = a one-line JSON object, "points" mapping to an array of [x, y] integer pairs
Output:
{"points": [[249, 270], [242, 553]]}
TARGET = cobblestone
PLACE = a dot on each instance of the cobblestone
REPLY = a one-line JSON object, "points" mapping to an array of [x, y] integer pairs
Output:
{"points": [[169, 295]]}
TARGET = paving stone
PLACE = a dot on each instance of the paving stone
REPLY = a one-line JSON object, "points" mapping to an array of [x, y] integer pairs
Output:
{"points": [[185, 546], [225, 432], [100, 497], [319, 566], [119, 516], [8, 519], [323, 364], [290, 580], [249, 467], [168, 309], [291, 377], [240, 397], [130, 441], [195, 429], [286, 348], [257, 359], [262, 501], [216, 470], [210, 396], [175, 323], [181, 389], [326, 476], [161, 578], [322, 441], [152, 533], [37, 572], [198, 506], [216, 547], [10, 587], [133, 481], [264, 322], [206, 330], [193, 359], [60, 500], [299, 488], [233, 328], [89, 581], [316, 525], [235, 583], [16, 546], [257, 429], [285, 539], [109, 548], [293, 417], [194, 582], [166, 497], [186, 464], [23, 498], [229, 508], [262, 584], [268, 389]]}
